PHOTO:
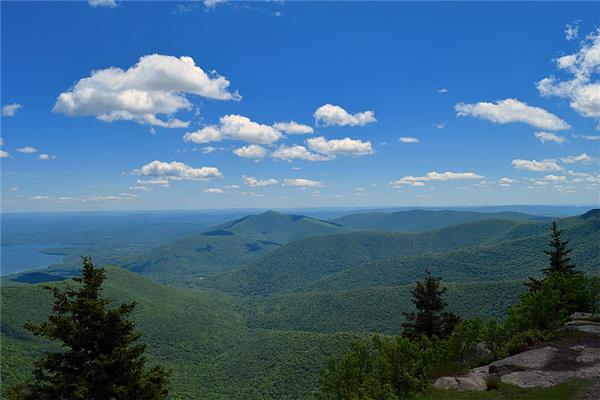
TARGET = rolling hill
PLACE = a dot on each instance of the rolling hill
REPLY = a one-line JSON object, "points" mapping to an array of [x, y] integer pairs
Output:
{"points": [[483, 250], [424, 220]]}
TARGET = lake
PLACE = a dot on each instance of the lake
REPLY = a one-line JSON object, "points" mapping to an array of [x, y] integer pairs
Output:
{"points": [[24, 257]]}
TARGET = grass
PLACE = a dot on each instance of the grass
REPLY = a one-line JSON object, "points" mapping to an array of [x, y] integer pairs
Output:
{"points": [[571, 390]]}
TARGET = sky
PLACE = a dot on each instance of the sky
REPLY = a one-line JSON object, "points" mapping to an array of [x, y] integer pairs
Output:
{"points": [[111, 105]]}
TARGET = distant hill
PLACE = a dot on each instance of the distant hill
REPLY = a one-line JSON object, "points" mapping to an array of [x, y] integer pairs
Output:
{"points": [[484, 250], [224, 247], [424, 220]]}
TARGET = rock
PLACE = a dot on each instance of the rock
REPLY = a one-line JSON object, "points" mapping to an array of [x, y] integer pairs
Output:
{"points": [[592, 327], [581, 315], [532, 359], [589, 355], [544, 379], [472, 381]]}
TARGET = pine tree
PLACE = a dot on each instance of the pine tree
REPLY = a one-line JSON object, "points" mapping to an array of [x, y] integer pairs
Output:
{"points": [[560, 262], [102, 358], [430, 318]]}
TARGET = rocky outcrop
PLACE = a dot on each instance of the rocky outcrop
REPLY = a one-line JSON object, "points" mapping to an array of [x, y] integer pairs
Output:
{"points": [[575, 358]]}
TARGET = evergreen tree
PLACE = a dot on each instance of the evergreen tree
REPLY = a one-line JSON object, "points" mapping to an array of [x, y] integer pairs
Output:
{"points": [[430, 318], [102, 358], [560, 262]]}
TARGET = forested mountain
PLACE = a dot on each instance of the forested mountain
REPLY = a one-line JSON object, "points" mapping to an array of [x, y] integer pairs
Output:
{"points": [[423, 220], [223, 247], [264, 327]]}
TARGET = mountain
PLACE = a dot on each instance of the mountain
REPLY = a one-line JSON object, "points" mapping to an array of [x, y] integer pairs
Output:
{"points": [[483, 250], [423, 220], [187, 261]]}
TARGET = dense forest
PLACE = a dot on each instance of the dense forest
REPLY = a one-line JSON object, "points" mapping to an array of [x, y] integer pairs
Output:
{"points": [[266, 325]]}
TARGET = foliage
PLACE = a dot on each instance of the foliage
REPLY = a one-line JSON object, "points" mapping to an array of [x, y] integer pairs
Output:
{"points": [[430, 319], [102, 357], [388, 369]]}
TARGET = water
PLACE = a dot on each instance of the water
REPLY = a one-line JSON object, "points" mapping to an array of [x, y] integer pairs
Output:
{"points": [[23, 257]]}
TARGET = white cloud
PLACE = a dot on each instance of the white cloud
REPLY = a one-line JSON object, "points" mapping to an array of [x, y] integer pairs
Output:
{"points": [[555, 178], [443, 90], [346, 146], [156, 85], [232, 186], [590, 137], [289, 153], [154, 182], [581, 158], [27, 150], [210, 4], [39, 198], [4, 154], [45, 156], [408, 139], [102, 3], [253, 182], [581, 89], [10, 110], [549, 137], [139, 187], [208, 149], [537, 166], [512, 110], [177, 171], [439, 125], [329, 114], [293, 128], [434, 176], [13, 189], [506, 182], [302, 183], [251, 151], [214, 191], [571, 31], [235, 127]]}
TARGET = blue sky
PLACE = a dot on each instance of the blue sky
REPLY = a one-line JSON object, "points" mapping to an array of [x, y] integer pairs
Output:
{"points": [[188, 105]]}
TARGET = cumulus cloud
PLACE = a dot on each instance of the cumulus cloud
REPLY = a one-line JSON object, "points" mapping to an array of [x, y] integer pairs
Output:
{"points": [[39, 198], [512, 110], [254, 182], [572, 31], [102, 3], [4, 154], [214, 191], [582, 88], [505, 182], [581, 158], [408, 139], [289, 153], [156, 85], [175, 170], [45, 156], [302, 183], [293, 128], [251, 151], [537, 166], [330, 114], [139, 187], [549, 137], [10, 110], [235, 127], [346, 146], [442, 90], [434, 176], [27, 150]]}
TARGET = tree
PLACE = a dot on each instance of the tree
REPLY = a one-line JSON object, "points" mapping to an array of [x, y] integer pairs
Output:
{"points": [[101, 358], [560, 262], [430, 319]]}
